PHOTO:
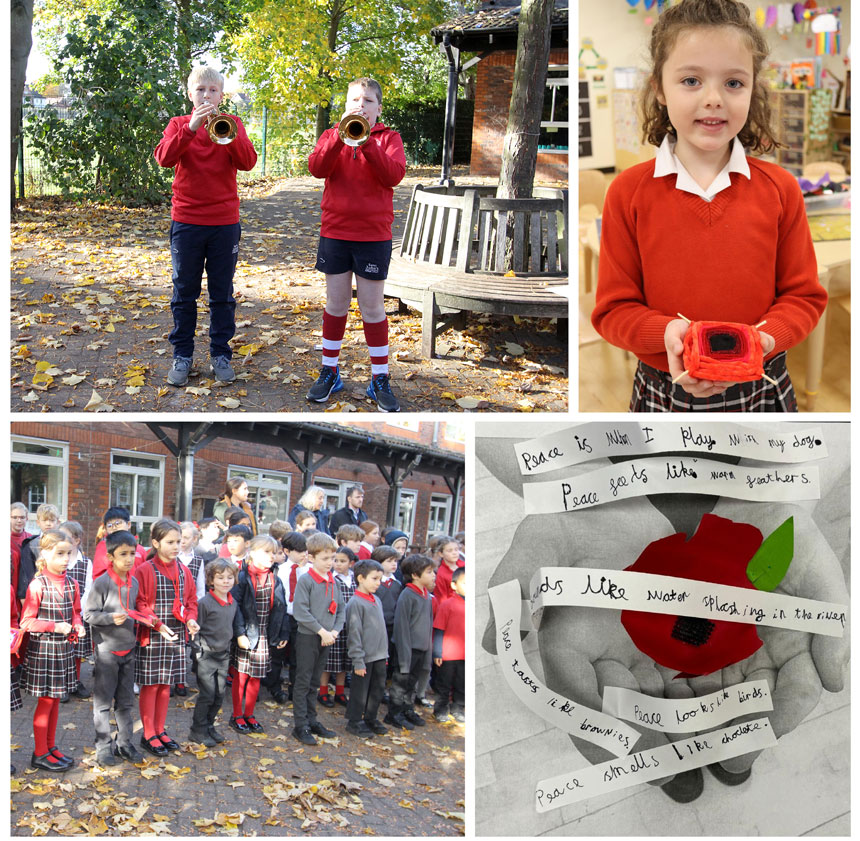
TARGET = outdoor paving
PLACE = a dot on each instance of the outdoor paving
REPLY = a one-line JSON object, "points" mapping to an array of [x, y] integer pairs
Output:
{"points": [[90, 291], [405, 783]]}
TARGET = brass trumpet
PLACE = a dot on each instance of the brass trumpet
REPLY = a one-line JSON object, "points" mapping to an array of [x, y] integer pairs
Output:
{"points": [[222, 129], [354, 130]]}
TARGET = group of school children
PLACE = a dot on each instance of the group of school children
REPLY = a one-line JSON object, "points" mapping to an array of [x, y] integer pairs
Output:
{"points": [[243, 610]]}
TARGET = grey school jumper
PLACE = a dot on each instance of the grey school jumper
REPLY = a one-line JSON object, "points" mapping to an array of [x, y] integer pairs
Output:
{"points": [[113, 674], [367, 639], [311, 606], [413, 626]]}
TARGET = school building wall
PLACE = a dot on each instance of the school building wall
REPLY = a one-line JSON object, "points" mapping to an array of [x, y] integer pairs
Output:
{"points": [[493, 86], [89, 461]]}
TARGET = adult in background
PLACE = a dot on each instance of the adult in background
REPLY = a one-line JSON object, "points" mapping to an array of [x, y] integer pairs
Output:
{"points": [[312, 500], [351, 513], [19, 534], [235, 495]]}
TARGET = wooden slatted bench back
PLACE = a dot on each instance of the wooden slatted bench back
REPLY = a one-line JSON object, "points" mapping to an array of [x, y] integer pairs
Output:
{"points": [[465, 230]]}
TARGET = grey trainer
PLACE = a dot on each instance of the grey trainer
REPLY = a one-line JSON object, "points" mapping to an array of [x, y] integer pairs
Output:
{"points": [[178, 374], [222, 369]]}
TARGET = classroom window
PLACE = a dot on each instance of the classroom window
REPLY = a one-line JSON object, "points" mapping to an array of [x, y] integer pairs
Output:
{"points": [[554, 124], [39, 475], [454, 431], [439, 520], [268, 493], [410, 425], [406, 506], [136, 483]]}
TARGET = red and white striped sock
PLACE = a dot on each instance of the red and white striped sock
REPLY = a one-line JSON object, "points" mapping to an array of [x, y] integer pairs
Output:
{"points": [[334, 327], [376, 336]]}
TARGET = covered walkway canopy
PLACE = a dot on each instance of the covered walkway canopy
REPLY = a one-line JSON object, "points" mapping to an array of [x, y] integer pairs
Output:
{"points": [[309, 446]]}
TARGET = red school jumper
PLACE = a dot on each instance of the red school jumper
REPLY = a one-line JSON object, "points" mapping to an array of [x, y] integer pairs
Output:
{"points": [[746, 257]]}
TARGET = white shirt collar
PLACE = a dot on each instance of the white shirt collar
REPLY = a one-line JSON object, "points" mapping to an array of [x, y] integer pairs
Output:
{"points": [[667, 163]]}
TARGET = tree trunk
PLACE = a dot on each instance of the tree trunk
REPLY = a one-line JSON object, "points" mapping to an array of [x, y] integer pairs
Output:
{"points": [[21, 36], [519, 157], [336, 13]]}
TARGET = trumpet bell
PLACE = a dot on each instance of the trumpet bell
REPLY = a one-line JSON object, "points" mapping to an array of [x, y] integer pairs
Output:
{"points": [[222, 129], [354, 130]]}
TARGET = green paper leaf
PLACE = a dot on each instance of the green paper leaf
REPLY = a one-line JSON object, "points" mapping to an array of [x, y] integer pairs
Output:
{"points": [[770, 564]]}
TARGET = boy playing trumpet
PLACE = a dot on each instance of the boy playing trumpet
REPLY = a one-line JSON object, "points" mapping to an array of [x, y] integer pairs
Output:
{"points": [[205, 229], [355, 237]]}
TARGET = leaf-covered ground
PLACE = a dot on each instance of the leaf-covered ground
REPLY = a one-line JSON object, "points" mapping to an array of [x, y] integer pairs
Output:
{"points": [[404, 783], [90, 292]]}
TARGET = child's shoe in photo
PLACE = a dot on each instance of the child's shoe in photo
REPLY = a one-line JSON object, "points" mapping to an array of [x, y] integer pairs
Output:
{"points": [[376, 727], [60, 757], [203, 737], [239, 725], [222, 369], [318, 730], [441, 713], [253, 725], [46, 762], [169, 743], [217, 735], [413, 717], [130, 754], [399, 720], [179, 371], [304, 735], [107, 757], [328, 382], [80, 691], [153, 746], [459, 716], [324, 700], [359, 728], [181, 690], [380, 391], [341, 699]]}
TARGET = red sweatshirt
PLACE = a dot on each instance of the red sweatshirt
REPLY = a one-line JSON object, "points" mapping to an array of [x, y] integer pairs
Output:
{"points": [[204, 187], [746, 256], [358, 200]]}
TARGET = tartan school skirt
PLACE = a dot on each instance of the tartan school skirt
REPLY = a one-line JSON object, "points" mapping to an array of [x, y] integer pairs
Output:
{"points": [[338, 658], [49, 666], [163, 662], [255, 662], [653, 392], [17, 702]]}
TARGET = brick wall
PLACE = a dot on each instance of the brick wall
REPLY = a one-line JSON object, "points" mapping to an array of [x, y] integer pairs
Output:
{"points": [[494, 83], [90, 446]]}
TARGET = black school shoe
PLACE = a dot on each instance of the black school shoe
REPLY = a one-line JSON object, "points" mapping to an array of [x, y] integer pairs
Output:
{"points": [[278, 695], [413, 717], [380, 391], [55, 752], [217, 735], [325, 700], [130, 753], [376, 726], [303, 734], [107, 757], [398, 720], [181, 691], [203, 737], [239, 725], [318, 730], [341, 699], [168, 742], [154, 746], [80, 691], [44, 763], [253, 725], [359, 728]]}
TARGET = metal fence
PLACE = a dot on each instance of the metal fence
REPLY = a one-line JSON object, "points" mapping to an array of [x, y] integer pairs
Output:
{"points": [[283, 147]]}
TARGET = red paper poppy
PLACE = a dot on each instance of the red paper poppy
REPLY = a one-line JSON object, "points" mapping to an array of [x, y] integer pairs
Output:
{"points": [[719, 551]]}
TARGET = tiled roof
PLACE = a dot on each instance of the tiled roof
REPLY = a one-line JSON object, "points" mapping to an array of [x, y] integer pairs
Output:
{"points": [[498, 19]]}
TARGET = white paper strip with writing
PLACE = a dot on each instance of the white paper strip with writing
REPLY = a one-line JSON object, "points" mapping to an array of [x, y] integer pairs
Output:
{"points": [[588, 441], [623, 590], [670, 474], [687, 715], [592, 725], [695, 752]]}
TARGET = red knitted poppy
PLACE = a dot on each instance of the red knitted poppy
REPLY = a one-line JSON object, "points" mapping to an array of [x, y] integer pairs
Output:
{"points": [[723, 352]]}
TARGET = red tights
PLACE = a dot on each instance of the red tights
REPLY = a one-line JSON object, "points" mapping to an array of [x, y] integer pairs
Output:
{"points": [[247, 686], [45, 725], [154, 701]]}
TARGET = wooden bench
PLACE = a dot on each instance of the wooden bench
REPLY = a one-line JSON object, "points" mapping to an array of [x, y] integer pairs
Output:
{"points": [[452, 255]]}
